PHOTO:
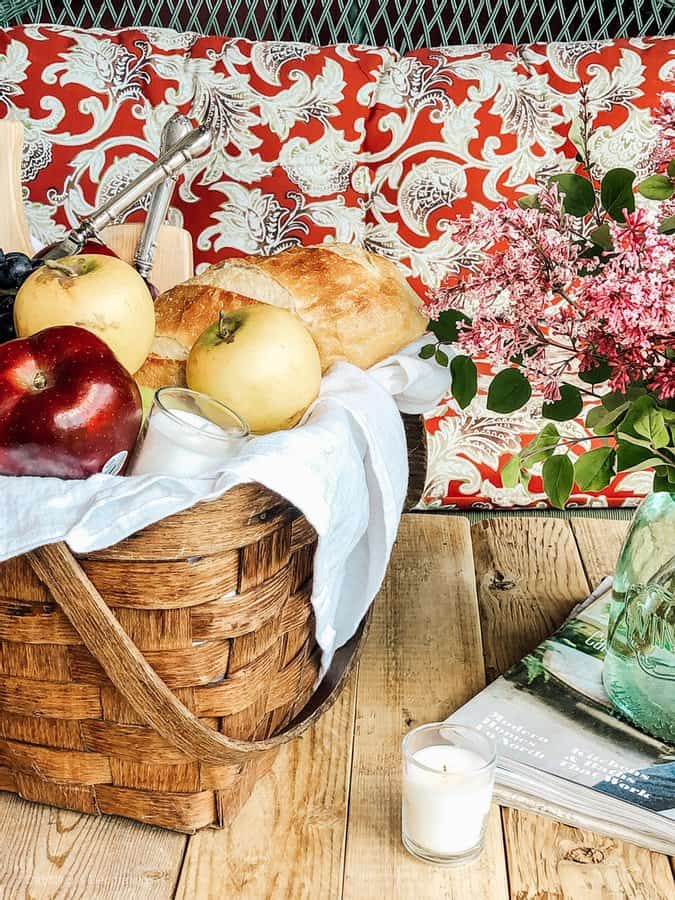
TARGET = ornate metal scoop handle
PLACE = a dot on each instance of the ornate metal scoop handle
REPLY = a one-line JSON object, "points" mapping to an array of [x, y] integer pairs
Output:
{"points": [[170, 162], [178, 127]]}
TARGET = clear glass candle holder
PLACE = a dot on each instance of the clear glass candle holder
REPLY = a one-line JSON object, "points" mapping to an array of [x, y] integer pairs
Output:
{"points": [[187, 434], [448, 780]]}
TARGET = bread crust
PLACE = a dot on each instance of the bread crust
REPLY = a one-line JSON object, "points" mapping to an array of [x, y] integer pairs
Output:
{"points": [[356, 305]]}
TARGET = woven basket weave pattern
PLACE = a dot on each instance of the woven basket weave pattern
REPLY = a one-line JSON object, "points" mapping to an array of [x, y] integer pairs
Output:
{"points": [[218, 600]]}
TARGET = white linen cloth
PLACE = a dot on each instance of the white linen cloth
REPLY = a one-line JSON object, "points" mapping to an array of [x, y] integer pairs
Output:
{"points": [[345, 467]]}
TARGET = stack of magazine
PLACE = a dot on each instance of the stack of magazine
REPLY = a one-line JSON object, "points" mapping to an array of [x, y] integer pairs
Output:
{"points": [[563, 749]]}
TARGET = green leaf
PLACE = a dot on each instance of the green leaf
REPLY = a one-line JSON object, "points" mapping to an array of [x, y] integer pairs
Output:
{"points": [[637, 441], [529, 201], [644, 425], [508, 391], [445, 327], [603, 421], [568, 407], [630, 458], [668, 225], [661, 483], [615, 398], [595, 416], [511, 472], [601, 237], [651, 425], [597, 374], [657, 187], [464, 380], [558, 473], [664, 476], [671, 168], [575, 135], [541, 447], [578, 193], [616, 193], [594, 469], [441, 358], [428, 351]]}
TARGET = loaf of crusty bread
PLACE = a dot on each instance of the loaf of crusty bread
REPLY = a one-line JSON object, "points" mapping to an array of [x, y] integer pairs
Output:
{"points": [[356, 305]]}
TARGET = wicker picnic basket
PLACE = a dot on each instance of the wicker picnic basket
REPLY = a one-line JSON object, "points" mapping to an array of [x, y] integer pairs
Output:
{"points": [[157, 678]]}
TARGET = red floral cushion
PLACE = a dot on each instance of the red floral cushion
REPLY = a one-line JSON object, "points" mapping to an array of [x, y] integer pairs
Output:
{"points": [[458, 129], [343, 142], [289, 120], [448, 132], [467, 448]]}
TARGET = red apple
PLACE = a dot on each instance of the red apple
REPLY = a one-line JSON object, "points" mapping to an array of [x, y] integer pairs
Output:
{"points": [[68, 408]]}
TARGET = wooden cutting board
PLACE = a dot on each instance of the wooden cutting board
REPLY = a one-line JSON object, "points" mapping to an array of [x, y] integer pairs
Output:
{"points": [[173, 257], [14, 234]]}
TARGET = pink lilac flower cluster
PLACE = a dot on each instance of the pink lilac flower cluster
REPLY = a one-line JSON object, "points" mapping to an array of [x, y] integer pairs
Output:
{"points": [[627, 310], [539, 300], [664, 119]]}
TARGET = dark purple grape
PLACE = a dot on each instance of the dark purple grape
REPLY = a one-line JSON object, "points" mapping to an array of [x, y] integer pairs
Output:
{"points": [[7, 332], [14, 270]]}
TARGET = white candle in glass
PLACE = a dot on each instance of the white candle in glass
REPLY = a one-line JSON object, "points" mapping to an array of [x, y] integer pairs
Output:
{"points": [[447, 791], [187, 435]]}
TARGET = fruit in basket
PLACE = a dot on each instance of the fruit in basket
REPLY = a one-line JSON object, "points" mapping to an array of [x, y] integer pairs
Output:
{"points": [[261, 362], [68, 407], [94, 291], [14, 270]]}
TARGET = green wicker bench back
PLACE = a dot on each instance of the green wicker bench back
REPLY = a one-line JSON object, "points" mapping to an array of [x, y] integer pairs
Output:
{"points": [[404, 24]]}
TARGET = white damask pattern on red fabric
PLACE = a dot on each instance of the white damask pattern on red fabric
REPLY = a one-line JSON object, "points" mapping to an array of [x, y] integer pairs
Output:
{"points": [[289, 122], [464, 128], [347, 143]]}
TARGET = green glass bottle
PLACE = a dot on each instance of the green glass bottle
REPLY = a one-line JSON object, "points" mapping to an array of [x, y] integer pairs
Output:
{"points": [[639, 670]]}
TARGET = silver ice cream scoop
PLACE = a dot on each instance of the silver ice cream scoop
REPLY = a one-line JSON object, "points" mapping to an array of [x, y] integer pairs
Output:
{"points": [[169, 163], [176, 128]]}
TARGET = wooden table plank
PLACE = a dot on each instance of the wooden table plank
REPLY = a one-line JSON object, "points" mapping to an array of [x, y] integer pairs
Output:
{"points": [[423, 660], [50, 853], [530, 577], [599, 543], [288, 841], [575, 864]]}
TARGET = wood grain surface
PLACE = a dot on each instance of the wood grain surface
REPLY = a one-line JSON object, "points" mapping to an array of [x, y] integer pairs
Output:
{"points": [[173, 262], [288, 841], [49, 853], [325, 822], [423, 661], [14, 233], [529, 577]]}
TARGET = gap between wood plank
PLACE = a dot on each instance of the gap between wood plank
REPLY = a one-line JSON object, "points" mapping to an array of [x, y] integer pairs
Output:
{"points": [[348, 785], [423, 660], [288, 840]]}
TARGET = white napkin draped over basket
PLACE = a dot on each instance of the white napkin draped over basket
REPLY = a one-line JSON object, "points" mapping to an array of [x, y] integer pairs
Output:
{"points": [[345, 467]]}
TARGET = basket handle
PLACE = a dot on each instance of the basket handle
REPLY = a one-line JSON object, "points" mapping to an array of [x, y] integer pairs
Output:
{"points": [[139, 684]]}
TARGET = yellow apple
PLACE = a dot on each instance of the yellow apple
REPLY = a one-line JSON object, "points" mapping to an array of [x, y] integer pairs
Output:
{"points": [[100, 293], [261, 362]]}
